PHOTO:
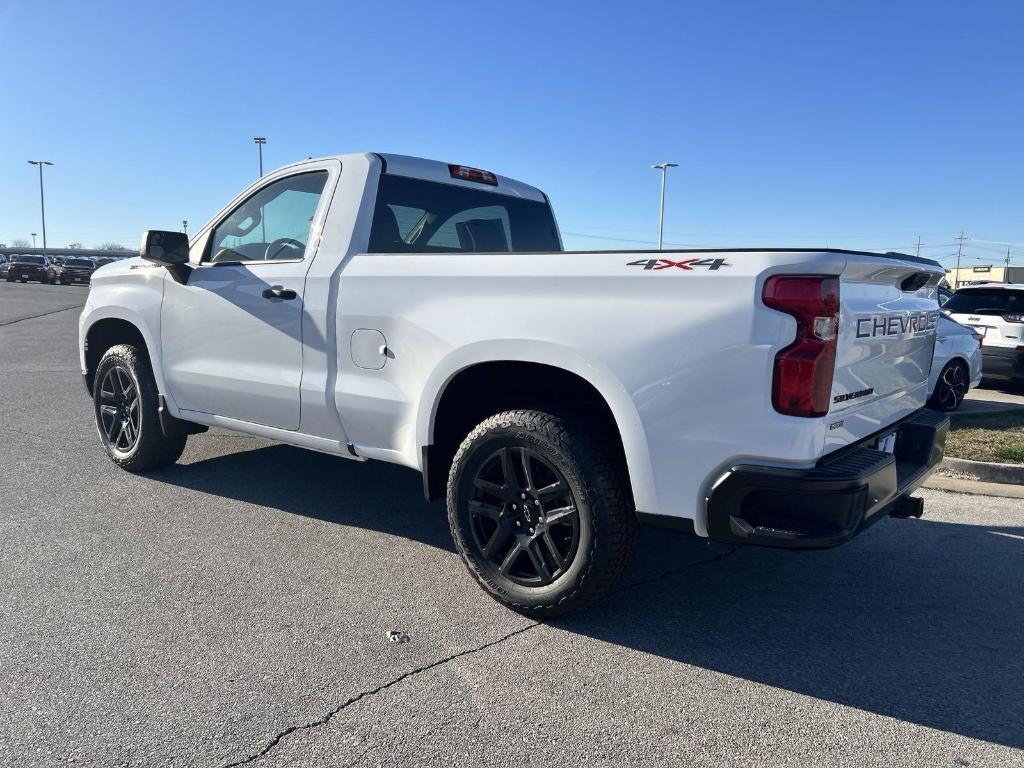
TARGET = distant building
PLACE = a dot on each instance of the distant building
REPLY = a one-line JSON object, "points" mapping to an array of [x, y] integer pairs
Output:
{"points": [[984, 273]]}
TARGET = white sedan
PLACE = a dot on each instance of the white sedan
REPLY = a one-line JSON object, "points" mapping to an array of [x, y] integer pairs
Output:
{"points": [[956, 365]]}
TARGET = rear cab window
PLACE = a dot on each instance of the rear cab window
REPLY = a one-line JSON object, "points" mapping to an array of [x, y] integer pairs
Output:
{"points": [[419, 216]]}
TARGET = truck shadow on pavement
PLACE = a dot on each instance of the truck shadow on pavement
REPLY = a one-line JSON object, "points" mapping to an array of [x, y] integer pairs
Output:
{"points": [[918, 620], [921, 621], [371, 495]]}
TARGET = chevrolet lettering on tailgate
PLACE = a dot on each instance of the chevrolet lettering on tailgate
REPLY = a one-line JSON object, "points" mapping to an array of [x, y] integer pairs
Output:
{"points": [[897, 324]]}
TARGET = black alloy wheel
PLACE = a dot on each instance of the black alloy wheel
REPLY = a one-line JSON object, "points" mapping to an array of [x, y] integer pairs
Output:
{"points": [[524, 518], [118, 409], [951, 388]]}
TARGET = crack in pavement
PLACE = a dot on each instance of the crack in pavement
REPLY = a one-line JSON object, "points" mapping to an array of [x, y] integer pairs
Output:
{"points": [[41, 314], [679, 569], [441, 662], [373, 692]]}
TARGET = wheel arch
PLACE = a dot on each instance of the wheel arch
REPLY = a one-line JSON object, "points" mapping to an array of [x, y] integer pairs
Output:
{"points": [[102, 333], [477, 382]]}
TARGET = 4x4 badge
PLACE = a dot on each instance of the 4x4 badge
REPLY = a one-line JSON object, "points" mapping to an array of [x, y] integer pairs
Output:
{"points": [[687, 264]]}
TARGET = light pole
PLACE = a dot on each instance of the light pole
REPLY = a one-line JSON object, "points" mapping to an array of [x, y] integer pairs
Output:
{"points": [[184, 226], [33, 241], [663, 167], [260, 141], [42, 203]]}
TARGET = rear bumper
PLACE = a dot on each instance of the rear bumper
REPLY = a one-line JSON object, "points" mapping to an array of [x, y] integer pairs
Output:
{"points": [[1002, 363], [830, 504]]}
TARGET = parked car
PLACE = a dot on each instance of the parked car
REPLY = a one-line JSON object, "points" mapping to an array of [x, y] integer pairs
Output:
{"points": [[57, 260], [102, 261], [77, 270], [997, 311], [25, 267], [956, 364], [4, 265], [386, 307]]}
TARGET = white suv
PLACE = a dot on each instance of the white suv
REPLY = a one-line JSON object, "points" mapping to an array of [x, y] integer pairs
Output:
{"points": [[997, 311]]}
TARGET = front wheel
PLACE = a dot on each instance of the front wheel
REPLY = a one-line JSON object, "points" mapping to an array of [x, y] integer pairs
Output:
{"points": [[539, 509], [951, 388], [126, 400]]}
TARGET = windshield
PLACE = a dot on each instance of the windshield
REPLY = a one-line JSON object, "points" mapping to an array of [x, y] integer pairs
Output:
{"points": [[29, 260], [78, 263], [991, 301], [413, 215]]}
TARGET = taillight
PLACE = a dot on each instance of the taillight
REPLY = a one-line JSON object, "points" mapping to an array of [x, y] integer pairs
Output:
{"points": [[1014, 317], [802, 380]]}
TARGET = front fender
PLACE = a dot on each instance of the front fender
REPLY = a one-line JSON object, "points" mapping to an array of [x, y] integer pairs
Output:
{"points": [[136, 301], [624, 411]]}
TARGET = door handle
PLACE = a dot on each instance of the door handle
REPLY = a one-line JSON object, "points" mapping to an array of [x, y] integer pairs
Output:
{"points": [[279, 292]]}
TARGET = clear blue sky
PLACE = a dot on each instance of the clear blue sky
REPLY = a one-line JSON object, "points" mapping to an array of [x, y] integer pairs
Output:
{"points": [[794, 123]]}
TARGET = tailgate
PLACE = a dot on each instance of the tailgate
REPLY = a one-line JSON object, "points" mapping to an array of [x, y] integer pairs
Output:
{"points": [[887, 320]]}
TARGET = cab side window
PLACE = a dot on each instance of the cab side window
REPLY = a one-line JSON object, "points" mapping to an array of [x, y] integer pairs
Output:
{"points": [[272, 225]]}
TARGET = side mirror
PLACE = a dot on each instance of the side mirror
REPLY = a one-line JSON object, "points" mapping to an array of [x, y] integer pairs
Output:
{"points": [[167, 248]]}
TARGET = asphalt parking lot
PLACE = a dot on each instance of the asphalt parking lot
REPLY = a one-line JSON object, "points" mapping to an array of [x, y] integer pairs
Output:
{"points": [[234, 609]]}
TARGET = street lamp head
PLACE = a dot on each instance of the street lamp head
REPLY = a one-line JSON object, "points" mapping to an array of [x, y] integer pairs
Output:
{"points": [[663, 166], [260, 139], [39, 162]]}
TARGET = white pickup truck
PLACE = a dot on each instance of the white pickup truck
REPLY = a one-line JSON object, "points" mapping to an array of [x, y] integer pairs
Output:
{"points": [[384, 307]]}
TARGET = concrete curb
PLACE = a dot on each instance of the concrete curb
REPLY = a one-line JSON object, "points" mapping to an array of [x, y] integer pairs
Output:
{"points": [[986, 471], [976, 487]]}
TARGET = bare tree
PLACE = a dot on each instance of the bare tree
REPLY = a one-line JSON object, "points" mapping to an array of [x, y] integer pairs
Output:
{"points": [[112, 247], [76, 246], [20, 243]]}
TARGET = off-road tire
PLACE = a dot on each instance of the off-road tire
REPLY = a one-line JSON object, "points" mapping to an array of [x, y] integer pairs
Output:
{"points": [[152, 449], [607, 523]]}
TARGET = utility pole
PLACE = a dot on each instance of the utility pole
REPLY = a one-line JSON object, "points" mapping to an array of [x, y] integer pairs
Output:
{"points": [[918, 245], [184, 226], [663, 167], [260, 141], [42, 203], [1006, 272], [33, 240], [959, 251]]}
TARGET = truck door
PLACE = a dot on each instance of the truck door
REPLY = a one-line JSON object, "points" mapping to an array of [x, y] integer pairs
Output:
{"points": [[231, 332]]}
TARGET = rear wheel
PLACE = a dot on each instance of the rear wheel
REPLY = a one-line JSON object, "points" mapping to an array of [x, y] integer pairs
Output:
{"points": [[539, 511], [126, 400], [951, 387]]}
